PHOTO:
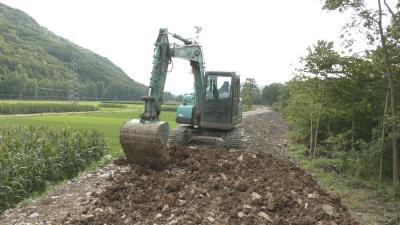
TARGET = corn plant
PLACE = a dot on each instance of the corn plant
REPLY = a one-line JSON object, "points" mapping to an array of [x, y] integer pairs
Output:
{"points": [[28, 108], [33, 157]]}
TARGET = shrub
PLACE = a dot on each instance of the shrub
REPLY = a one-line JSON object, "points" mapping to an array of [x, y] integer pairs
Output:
{"points": [[170, 108]]}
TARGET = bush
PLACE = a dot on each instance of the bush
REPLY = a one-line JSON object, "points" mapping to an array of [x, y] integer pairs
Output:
{"points": [[32, 157], [123, 102], [31, 108], [170, 108], [110, 105]]}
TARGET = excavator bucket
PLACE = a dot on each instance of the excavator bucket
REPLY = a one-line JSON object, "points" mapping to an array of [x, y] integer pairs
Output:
{"points": [[145, 143]]}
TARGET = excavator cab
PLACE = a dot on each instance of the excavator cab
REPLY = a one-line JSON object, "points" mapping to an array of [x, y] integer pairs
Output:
{"points": [[221, 103]]}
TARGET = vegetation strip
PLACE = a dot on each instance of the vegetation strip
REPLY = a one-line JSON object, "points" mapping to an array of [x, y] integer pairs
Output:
{"points": [[32, 108], [33, 157]]}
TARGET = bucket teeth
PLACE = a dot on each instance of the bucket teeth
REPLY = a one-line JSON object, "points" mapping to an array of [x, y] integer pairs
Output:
{"points": [[145, 143]]}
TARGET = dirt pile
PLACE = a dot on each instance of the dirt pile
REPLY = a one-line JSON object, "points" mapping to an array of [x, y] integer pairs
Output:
{"points": [[263, 130], [213, 186]]}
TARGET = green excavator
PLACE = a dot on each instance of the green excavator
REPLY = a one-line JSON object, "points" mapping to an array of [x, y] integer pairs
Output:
{"points": [[216, 110]]}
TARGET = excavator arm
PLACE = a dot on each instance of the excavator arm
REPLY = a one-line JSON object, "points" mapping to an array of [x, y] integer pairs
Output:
{"points": [[144, 141], [163, 53]]}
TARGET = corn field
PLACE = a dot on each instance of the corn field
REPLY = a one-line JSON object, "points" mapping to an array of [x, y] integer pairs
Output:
{"points": [[33, 157], [28, 108], [112, 105]]}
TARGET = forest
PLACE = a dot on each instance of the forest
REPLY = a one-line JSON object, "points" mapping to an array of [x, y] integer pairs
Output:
{"points": [[343, 104], [37, 64]]}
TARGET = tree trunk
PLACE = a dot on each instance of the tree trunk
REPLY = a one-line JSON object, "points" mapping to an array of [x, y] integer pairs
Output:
{"points": [[383, 137], [393, 111], [317, 125], [311, 126]]}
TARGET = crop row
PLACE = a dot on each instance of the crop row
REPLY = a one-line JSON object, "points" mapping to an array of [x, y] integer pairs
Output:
{"points": [[137, 102], [33, 157], [112, 105], [28, 108]]}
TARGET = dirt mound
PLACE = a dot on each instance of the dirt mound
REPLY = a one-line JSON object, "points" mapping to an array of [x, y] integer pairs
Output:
{"points": [[213, 186], [264, 131]]}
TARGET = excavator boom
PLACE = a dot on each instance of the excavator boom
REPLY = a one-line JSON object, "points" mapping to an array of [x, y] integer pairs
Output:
{"points": [[144, 141]]}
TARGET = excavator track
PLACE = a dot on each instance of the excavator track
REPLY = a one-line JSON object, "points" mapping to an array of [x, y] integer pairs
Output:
{"points": [[179, 136], [233, 138]]}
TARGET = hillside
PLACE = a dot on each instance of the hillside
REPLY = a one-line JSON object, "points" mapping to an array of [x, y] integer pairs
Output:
{"points": [[35, 61]]}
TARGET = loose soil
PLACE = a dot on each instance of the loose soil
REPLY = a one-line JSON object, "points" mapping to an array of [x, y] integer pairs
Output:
{"points": [[201, 185]]}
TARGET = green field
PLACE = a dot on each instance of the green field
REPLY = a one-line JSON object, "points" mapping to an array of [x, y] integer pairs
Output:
{"points": [[108, 120]]}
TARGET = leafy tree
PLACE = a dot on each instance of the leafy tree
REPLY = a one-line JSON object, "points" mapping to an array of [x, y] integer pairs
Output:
{"points": [[385, 39], [249, 93], [273, 93]]}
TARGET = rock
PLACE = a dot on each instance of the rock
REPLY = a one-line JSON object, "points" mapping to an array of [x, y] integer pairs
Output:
{"points": [[329, 210], [181, 202], [158, 215], [98, 210], [223, 176], [265, 216], [165, 207], [254, 156], [173, 185], [209, 218], [245, 206], [34, 215], [312, 195], [240, 158], [255, 196], [241, 185], [173, 222], [105, 175], [240, 214]]}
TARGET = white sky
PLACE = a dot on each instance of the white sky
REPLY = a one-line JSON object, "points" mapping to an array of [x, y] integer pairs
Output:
{"points": [[262, 39]]}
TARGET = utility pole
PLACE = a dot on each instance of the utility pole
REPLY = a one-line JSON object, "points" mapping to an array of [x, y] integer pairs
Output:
{"points": [[74, 89]]}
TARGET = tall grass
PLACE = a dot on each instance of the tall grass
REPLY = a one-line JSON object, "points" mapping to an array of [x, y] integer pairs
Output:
{"points": [[112, 105], [36, 107], [33, 157]]}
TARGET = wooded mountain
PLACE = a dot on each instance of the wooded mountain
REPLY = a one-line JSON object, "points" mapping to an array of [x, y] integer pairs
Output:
{"points": [[36, 63]]}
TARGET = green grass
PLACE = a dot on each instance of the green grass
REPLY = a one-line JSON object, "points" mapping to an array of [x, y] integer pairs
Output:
{"points": [[107, 122], [368, 200]]}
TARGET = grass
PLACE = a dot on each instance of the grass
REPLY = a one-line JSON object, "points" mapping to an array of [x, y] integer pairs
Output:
{"points": [[107, 122], [369, 201]]}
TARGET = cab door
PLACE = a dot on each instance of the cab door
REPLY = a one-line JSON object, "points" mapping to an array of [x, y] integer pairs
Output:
{"points": [[217, 109]]}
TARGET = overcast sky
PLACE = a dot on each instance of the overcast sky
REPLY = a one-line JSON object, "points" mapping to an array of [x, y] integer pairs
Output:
{"points": [[260, 39]]}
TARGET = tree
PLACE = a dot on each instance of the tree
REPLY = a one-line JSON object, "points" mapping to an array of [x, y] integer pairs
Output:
{"points": [[272, 93], [384, 39], [249, 93]]}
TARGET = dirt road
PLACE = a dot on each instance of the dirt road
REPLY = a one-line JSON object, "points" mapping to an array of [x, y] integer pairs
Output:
{"points": [[201, 185]]}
